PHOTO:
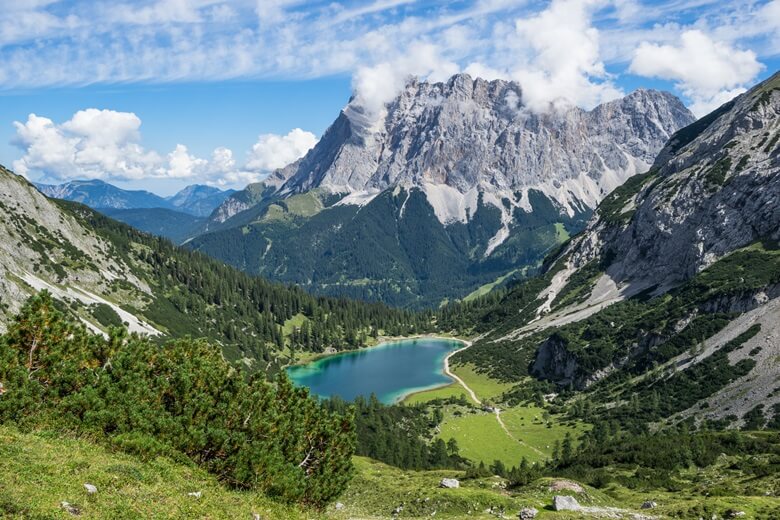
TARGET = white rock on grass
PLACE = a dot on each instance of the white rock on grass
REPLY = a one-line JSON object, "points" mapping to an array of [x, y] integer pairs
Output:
{"points": [[196, 494], [449, 483], [565, 503], [90, 489]]}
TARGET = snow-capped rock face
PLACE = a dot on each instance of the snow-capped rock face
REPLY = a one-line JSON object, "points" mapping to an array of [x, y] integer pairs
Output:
{"points": [[717, 189], [457, 139]]}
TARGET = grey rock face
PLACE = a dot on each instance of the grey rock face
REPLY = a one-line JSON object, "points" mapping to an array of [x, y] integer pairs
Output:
{"points": [[717, 189], [470, 133], [465, 137]]}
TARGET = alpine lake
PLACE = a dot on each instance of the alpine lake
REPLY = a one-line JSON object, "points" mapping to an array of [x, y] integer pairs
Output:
{"points": [[390, 370]]}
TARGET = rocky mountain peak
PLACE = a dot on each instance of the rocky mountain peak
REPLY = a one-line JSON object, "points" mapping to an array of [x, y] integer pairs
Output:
{"points": [[466, 136]]}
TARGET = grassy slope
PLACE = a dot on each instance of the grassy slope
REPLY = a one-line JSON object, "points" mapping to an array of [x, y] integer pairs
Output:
{"points": [[481, 438], [38, 472]]}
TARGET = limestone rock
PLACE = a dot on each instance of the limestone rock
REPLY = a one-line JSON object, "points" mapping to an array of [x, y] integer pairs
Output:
{"points": [[649, 504], [565, 503], [90, 489], [527, 513], [449, 483]]}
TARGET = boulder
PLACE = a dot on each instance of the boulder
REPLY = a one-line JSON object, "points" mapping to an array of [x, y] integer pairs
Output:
{"points": [[195, 494], [339, 506], [90, 489], [70, 508], [649, 504], [449, 483], [527, 513], [565, 503]]}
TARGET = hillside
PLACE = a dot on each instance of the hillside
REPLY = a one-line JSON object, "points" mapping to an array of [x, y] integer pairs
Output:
{"points": [[108, 274], [453, 187], [665, 309], [173, 225]]}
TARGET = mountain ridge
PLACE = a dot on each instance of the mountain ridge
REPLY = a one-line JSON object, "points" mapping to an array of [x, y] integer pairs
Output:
{"points": [[496, 185], [196, 199]]}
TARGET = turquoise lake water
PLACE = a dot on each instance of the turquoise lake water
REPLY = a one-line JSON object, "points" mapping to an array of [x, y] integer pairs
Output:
{"points": [[391, 370]]}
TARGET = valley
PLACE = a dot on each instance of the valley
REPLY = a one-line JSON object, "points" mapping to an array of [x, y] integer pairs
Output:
{"points": [[461, 298]]}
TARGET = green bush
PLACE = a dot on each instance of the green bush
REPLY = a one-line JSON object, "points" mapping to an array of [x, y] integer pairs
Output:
{"points": [[181, 400]]}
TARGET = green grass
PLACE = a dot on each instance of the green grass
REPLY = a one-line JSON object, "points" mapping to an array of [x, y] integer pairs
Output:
{"points": [[444, 392], [39, 471], [486, 288], [481, 439], [527, 424], [486, 388], [561, 234], [294, 322]]}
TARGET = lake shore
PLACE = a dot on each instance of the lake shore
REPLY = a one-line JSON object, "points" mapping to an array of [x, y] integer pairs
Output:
{"points": [[380, 340], [449, 373]]}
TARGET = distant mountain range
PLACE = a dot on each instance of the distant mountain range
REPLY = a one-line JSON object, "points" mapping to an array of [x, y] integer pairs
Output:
{"points": [[177, 217], [456, 187]]}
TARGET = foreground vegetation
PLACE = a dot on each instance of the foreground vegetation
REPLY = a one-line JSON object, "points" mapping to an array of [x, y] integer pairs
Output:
{"points": [[181, 400]]}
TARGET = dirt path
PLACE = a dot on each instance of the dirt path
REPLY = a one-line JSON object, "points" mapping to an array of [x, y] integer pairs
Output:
{"points": [[474, 398], [455, 377], [509, 434]]}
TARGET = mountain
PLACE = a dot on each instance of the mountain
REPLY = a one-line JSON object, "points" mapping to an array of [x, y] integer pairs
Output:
{"points": [[174, 225], [666, 309], [178, 217], [107, 274], [98, 194], [456, 186], [199, 200], [196, 199]]}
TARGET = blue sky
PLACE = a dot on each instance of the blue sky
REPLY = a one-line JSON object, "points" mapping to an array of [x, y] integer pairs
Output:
{"points": [[158, 94]]}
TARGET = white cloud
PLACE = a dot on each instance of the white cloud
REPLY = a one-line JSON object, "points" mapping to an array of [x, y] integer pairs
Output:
{"points": [[272, 151], [92, 144], [564, 65], [706, 71], [105, 144]]}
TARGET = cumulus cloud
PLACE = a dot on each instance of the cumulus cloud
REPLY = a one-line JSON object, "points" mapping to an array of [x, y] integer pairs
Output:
{"points": [[93, 144], [106, 144], [564, 65], [272, 151], [706, 71]]}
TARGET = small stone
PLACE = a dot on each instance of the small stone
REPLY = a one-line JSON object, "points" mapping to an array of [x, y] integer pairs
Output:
{"points": [[196, 494], [449, 483], [565, 503], [70, 508], [339, 506], [649, 504], [527, 513], [397, 510], [90, 489]]}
